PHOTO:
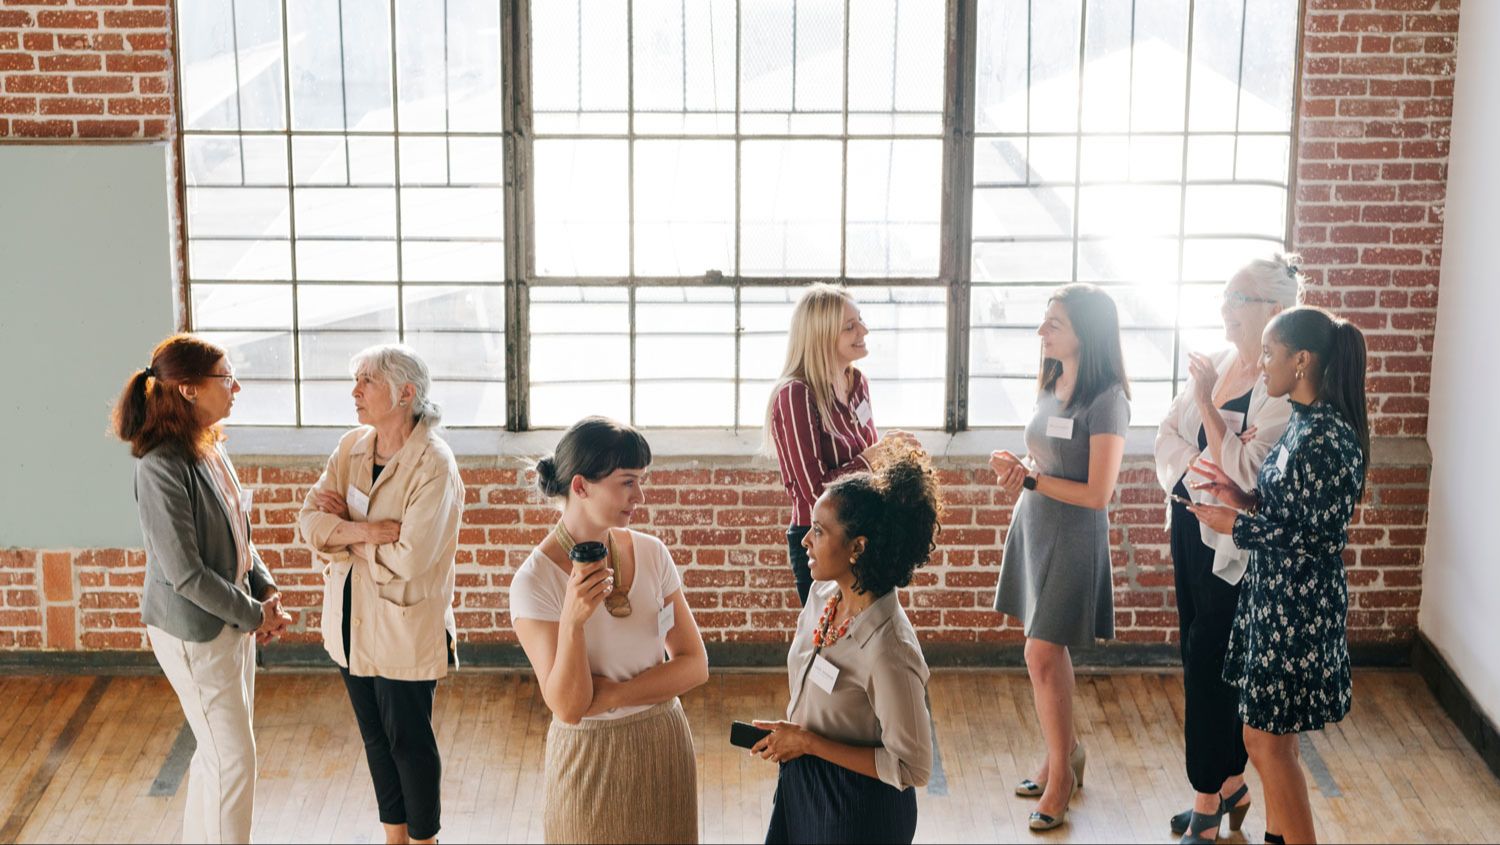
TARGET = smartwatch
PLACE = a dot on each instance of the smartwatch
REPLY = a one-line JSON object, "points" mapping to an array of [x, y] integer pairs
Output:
{"points": [[1029, 482]]}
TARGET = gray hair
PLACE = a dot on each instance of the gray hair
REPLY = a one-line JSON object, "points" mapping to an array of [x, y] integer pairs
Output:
{"points": [[400, 365], [1276, 278]]}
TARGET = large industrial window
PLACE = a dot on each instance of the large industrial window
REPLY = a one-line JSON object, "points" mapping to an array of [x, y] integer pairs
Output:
{"points": [[608, 206]]}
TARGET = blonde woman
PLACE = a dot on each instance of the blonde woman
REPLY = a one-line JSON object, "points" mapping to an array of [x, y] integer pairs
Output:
{"points": [[600, 612], [819, 421]]}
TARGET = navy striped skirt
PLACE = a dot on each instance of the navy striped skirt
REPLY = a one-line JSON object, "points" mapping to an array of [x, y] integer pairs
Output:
{"points": [[817, 802]]}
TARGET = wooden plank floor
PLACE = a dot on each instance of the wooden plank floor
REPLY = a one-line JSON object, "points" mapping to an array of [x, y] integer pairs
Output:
{"points": [[80, 754]]}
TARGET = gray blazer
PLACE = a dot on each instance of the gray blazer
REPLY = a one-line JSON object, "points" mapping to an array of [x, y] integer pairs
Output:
{"points": [[191, 560]]}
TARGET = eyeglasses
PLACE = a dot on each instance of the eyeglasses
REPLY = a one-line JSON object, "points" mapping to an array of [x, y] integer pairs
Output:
{"points": [[227, 378], [1235, 300]]}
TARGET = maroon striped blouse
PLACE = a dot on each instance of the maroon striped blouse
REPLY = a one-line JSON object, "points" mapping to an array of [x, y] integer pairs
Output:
{"points": [[810, 457]]}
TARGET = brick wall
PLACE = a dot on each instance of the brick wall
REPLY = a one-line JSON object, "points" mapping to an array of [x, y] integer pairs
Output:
{"points": [[725, 525], [86, 69], [1372, 170], [1377, 84]]}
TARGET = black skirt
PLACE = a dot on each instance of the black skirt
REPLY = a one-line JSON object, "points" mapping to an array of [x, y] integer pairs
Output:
{"points": [[817, 801]]}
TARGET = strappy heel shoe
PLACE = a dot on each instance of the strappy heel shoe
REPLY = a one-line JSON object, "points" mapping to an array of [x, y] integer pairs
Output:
{"points": [[1029, 788], [1275, 838], [1042, 821], [1201, 823]]}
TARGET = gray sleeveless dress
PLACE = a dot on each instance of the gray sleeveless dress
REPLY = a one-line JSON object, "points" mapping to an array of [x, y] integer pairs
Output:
{"points": [[1055, 574]]}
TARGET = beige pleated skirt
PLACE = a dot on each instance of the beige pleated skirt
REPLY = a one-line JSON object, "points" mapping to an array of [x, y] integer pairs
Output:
{"points": [[632, 779]]}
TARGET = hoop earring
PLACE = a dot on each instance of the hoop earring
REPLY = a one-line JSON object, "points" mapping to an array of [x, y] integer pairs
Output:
{"points": [[1299, 375]]}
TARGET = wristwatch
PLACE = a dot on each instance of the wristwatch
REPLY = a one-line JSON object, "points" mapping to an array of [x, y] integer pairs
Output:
{"points": [[1029, 482]]}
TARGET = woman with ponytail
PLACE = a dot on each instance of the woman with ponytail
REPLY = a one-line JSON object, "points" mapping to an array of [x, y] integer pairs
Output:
{"points": [[857, 739], [1288, 652], [208, 595], [383, 519]]}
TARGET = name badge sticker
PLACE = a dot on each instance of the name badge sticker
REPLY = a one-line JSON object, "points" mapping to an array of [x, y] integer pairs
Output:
{"points": [[247, 500], [1235, 420], [823, 674], [359, 503], [1060, 427], [864, 413], [1281, 459]]}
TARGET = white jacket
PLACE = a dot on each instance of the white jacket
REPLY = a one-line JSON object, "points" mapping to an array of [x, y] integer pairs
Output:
{"points": [[1177, 449], [402, 597]]}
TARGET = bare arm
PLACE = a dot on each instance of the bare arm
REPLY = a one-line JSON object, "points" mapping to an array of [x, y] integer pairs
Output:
{"points": [[558, 650]]}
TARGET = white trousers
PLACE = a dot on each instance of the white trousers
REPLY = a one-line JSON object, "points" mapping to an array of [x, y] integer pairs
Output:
{"points": [[215, 682]]}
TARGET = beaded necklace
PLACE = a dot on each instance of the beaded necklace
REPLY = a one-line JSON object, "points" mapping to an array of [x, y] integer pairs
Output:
{"points": [[822, 637]]}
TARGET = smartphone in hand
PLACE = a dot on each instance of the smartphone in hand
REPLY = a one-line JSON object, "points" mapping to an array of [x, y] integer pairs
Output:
{"points": [[745, 735]]}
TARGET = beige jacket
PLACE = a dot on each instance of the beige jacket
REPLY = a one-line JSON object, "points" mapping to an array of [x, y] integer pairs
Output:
{"points": [[401, 602]]}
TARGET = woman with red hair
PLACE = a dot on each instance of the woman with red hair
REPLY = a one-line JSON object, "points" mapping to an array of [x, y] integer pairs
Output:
{"points": [[208, 595]]}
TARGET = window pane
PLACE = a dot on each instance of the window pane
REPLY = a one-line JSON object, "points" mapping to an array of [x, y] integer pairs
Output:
{"points": [[346, 307], [457, 307], [907, 353], [461, 355], [792, 66], [256, 355], [580, 354], [684, 66], [1216, 64], [328, 403], [1002, 71], [326, 354], [247, 260], [582, 227], [238, 212], [470, 403], [789, 212], [896, 66], [579, 66], [894, 207], [684, 207], [265, 403], [684, 356]]}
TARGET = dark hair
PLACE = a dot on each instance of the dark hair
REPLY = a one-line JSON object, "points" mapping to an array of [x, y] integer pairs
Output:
{"points": [[593, 448], [1101, 362], [897, 512], [1339, 347], [152, 411]]}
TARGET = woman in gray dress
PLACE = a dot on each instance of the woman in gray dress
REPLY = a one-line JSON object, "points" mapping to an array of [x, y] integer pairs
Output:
{"points": [[1055, 574]]}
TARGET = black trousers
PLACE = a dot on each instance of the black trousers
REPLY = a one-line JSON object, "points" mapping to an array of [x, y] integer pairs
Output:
{"points": [[798, 556], [819, 802], [1205, 610], [395, 720]]}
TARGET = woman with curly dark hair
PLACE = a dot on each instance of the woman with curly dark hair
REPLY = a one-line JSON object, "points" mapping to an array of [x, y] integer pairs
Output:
{"points": [[857, 739]]}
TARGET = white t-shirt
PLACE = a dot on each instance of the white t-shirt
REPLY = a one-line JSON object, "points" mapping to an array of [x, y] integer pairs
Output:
{"points": [[620, 648]]}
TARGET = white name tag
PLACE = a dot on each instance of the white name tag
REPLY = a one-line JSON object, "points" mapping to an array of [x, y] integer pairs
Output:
{"points": [[359, 503], [666, 619], [1281, 460], [864, 413], [247, 501], [1235, 420], [1060, 427], [823, 674]]}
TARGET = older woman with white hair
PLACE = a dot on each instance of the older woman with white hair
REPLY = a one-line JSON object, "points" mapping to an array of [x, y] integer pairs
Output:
{"points": [[384, 518], [1223, 416]]}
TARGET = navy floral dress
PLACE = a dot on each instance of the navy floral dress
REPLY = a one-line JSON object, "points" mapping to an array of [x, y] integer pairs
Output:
{"points": [[1289, 653]]}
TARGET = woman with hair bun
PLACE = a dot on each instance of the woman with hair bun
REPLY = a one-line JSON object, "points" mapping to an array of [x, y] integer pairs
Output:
{"points": [[600, 613], [1289, 652], [857, 739]]}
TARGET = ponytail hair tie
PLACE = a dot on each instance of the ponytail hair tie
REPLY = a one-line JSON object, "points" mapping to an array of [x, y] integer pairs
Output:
{"points": [[150, 372], [1291, 270]]}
